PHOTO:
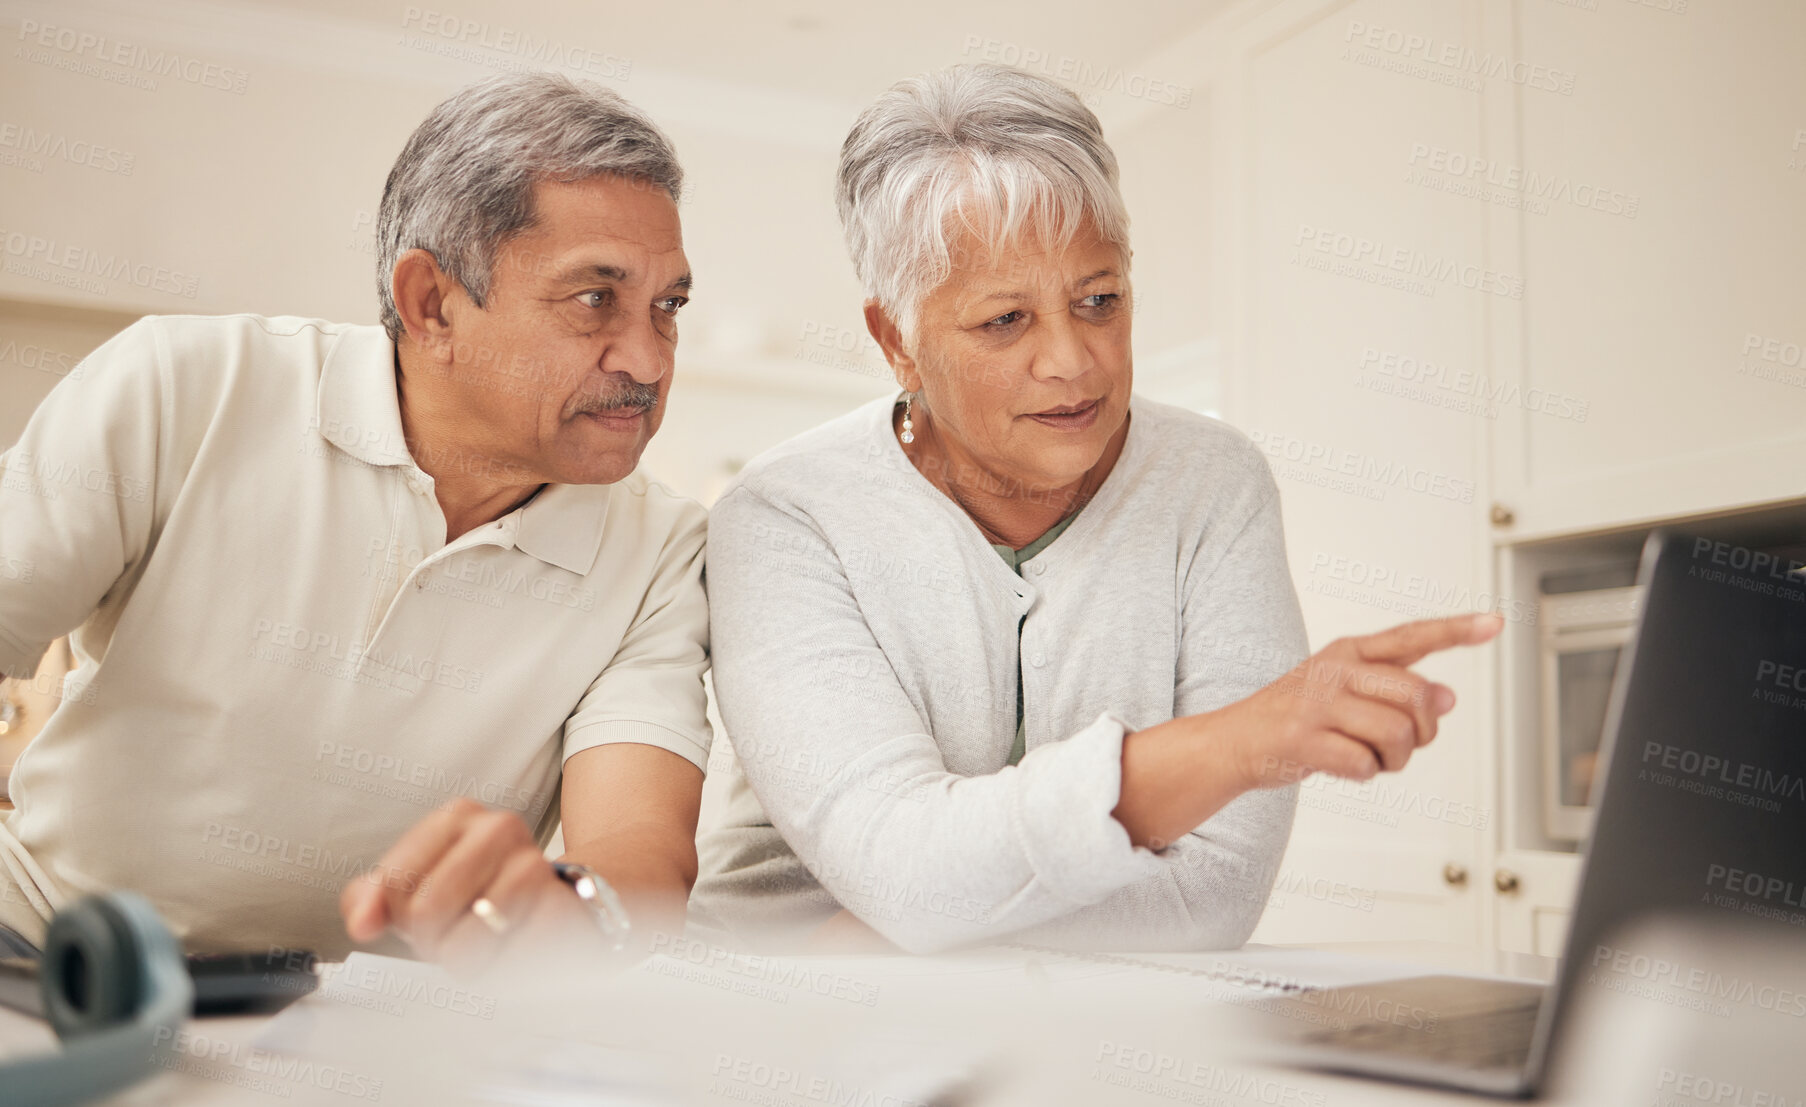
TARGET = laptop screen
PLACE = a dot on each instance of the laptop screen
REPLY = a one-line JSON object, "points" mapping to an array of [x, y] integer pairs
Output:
{"points": [[1702, 812]]}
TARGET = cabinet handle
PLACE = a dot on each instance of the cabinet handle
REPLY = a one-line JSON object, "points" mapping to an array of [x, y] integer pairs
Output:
{"points": [[1505, 881], [1454, 874], [1503, 516]]}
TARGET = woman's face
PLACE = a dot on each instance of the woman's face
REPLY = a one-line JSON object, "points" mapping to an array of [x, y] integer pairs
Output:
{"points": [[1022, 357]]}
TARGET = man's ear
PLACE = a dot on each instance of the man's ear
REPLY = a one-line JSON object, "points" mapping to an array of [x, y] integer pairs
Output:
{"points": [[422, 293], [889, 338]]}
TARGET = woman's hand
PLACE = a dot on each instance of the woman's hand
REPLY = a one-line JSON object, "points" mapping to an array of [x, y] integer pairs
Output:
{"points": [[1353, 709], [847, 933]]}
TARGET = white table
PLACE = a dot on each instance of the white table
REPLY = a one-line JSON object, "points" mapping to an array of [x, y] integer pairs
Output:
{"points": [[700, 1026]]}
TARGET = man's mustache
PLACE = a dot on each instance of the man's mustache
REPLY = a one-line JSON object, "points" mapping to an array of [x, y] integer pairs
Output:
{"points": [[629, 394]]}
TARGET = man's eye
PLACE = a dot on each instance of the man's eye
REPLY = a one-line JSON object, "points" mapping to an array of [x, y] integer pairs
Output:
{"points": [[670, 304], [1008, 318], [1103, 301], [594, 298]]}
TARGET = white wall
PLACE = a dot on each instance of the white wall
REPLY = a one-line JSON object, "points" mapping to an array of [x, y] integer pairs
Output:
{"points": [[262, 200]]}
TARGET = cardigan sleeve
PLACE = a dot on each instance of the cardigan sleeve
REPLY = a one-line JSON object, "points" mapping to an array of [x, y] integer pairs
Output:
{"points": [[847, 772], [1241, 629]]}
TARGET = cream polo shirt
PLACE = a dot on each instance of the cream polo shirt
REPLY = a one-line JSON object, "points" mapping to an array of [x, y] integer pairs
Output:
{"points": [[281, 664]]}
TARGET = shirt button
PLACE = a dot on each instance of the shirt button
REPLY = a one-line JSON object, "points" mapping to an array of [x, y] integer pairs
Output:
{"points": [[1036, 568], [419, 582], [1038, 660]]}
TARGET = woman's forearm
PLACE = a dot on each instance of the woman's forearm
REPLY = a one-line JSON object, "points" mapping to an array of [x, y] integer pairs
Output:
{"points": [[1352, 709], [1174, 777]]}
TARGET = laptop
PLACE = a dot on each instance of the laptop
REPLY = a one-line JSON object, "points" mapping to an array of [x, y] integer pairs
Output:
{"points": [[1700, 817]]}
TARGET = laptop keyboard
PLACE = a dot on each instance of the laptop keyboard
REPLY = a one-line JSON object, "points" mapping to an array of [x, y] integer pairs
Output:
{"points": [[1455, 1021]]}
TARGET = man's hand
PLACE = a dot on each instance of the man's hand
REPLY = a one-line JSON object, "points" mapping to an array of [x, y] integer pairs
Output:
{"points": [[1354, 708], [425, 886]]}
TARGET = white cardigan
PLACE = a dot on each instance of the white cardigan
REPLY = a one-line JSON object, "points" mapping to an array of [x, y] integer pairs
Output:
{"points": [[865, 654]]}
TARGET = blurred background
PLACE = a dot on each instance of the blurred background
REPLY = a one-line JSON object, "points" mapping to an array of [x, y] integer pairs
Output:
{"points": [[1497, 285]]}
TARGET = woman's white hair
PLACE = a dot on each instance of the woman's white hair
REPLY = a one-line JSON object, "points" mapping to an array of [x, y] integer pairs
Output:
{"points": [[1001, 150], [464, 183]]}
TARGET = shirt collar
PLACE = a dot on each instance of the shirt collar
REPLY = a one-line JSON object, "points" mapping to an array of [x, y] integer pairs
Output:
{"points": [[562, 525], [358, 411]]}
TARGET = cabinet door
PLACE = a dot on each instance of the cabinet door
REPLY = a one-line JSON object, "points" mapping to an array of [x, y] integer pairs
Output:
{"points": [[1658, 364], [1347, 273], [1533, 895]]}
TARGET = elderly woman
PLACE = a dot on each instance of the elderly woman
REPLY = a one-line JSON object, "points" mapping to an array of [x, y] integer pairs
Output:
{"points": [[1017, 653]]}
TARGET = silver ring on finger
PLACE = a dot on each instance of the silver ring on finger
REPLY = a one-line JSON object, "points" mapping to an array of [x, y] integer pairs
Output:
{"points": [[491, 915]]}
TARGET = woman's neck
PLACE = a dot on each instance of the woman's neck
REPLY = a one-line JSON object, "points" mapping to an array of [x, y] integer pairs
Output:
{"points": [[1005, 510]]}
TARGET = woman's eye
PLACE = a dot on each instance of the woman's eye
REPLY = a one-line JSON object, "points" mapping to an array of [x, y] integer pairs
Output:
{"points": [[1103, 301], [1008, 318]]}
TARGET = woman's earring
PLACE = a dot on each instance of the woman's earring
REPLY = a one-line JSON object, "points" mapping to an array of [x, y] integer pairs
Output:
{"points": [[909, 431]]}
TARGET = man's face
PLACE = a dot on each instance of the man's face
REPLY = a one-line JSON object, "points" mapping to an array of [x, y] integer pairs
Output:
{"points": [[562, 376]]}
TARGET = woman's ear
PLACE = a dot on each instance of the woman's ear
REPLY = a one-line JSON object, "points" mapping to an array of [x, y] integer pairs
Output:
{"points": [[889, 338]]}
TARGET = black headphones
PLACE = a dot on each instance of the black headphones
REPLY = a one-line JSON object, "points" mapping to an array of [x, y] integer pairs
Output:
{"points": [[116, 988]]}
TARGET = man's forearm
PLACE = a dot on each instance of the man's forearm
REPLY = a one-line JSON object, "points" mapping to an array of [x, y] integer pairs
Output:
{"points": [[651, 873]]}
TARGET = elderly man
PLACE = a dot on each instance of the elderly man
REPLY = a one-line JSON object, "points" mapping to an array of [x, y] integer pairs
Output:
{"points": [[361, 612]]}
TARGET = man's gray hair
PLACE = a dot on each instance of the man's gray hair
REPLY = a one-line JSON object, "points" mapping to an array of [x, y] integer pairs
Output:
{"points": [[464, 182], [998, 148]]}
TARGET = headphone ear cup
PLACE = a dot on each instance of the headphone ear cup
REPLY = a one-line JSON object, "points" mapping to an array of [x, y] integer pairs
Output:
{"points": [[117, 991], [92, 968]]}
